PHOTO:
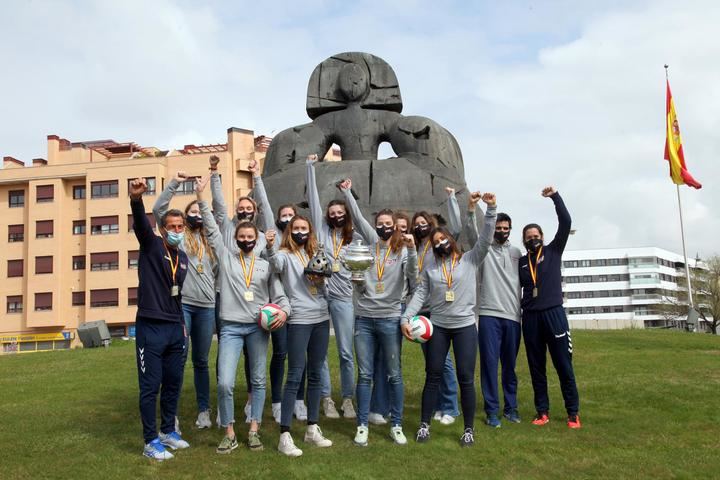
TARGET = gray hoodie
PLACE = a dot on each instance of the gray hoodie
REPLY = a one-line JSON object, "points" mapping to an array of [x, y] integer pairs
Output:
{"points": [[498, 278], [199, 286], [265, 287], [400, 266], [433, 286]]}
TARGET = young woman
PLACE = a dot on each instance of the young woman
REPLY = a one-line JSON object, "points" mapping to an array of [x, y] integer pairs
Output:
{"points": [[449, 290], [335, 231], [198, 293], [247, 284], [308, 328], [377, 312]]}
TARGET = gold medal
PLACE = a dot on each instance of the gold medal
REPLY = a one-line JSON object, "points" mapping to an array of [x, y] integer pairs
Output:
{"points": [[249, 296], [534, 271], [449, 296], [313, 290], [535, 292], [174, 291], [199, 268], [336, 267], [379, 287]]}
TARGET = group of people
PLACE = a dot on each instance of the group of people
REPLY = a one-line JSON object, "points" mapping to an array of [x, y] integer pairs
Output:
{"points": [[209, 272]]}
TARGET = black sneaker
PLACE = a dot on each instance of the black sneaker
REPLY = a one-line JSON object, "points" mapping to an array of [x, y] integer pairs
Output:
{"points": [[423, 433], [468, 438]]}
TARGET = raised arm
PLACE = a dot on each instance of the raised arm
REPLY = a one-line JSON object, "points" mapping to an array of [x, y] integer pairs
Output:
{"points": [[313, 198], [410, 262], [266, 213], [454, 222], [212, 231], [218, 201], [471, 229], [141, 225], [366, 230], [278, 261], [482, 244], [161, 204], [564, 220]]}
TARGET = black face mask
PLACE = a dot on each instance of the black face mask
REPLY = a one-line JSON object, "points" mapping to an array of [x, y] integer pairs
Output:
{"points": [[422, 230], [246, 246], [533, 244], [245, 216], [282, 224], [385, 232], [501, 237], [194, 222], [443, 248], [337, 222], [300, 238]]}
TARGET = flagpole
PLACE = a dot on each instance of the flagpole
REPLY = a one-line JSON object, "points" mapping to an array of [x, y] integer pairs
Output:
{"points": [[682, 236]]}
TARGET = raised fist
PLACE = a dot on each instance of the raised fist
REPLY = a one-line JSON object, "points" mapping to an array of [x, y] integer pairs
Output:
{"points": [[252, 166], [137, 188], [408, 240], [489, 199], [450, 191], [270, 238], [346, 184], [180, 176], [473, 200], [214, 160], [548, 191], [312, 158]]}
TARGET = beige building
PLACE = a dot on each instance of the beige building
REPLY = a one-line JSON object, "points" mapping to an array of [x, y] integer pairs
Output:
{"points": [[67, 251]]}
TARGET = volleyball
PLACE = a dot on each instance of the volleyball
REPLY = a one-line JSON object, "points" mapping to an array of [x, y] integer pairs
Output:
{"points": [[267, 315], [421, 329]]}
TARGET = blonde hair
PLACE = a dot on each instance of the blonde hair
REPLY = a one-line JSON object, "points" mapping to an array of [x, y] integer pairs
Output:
{"points": [[311, 247], [192, 246]]}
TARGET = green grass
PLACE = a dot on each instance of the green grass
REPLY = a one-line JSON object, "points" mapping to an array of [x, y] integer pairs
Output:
{"points": [[649, 405]]}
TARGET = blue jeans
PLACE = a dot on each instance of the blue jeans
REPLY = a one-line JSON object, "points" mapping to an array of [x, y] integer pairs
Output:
{"points": [[371, 335], [233, 336], [307, 344], [277, 367], [341, 313], [499, 342], [200, 326]]}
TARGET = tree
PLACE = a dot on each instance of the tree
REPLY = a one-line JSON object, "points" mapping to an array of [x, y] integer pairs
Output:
{"points": [[705, 280]]}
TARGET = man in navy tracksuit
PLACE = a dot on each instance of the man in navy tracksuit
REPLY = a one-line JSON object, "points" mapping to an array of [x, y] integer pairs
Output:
{"points": [[544, 324], [160, 333]]}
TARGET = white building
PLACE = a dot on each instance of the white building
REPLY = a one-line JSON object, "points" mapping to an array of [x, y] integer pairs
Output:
{"points": [[620, 287]]}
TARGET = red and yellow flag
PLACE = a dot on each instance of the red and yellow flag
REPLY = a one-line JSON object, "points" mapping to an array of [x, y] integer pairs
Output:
{"points": [[673, 146]]}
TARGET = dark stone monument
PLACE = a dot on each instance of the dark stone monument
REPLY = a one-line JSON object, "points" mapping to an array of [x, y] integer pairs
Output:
{"points": [[354, 101]]}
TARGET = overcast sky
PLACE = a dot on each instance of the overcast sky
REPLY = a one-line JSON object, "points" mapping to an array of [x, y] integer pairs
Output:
{"points": [[548, 92]]}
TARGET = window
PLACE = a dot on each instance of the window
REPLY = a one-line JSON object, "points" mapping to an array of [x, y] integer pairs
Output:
{"points": [[605, 309], [14, 304], [614, 261], [44, 229], [617, 309], [104, 225], [150, 185], [603, 293], [15, 268], [575, 311], [584, 263], [586, 279], [43, 265], [16, 198], [602, 278], [573, 295], [43, 301], [78, 262], [132, 296], [16, 233], [78, 298], [187, 187], [107, 297], [45, 193], [150, 217], [79, 192], [106, 189], [103, 261], [78, 227], [133, 258]]}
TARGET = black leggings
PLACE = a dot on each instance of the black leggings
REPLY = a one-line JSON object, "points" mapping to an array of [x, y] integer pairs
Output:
{"points": [[464, 341]]}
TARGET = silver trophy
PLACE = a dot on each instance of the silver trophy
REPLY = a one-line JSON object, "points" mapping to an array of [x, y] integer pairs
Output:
{"points": [[357, 259], [319, 264]]}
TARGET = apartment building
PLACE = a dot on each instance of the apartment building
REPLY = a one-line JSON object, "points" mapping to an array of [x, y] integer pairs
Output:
{"points": [[621, 287]]}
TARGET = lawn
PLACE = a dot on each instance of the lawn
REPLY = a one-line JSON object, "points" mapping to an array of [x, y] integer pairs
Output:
{"points": [[649, 406]]}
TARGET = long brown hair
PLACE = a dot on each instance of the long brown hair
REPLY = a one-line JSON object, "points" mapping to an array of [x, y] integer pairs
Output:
{"points": [[429, 218], [396, 239], [192, 246], [289, 244], [453, 244], [347, 229]]}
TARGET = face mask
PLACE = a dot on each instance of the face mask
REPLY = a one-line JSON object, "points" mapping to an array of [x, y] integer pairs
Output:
{"points": [[195, 221], [337, 222], [422, 230], [533, 244], [245, 216], [282, 224], [384, 232], [175, 239], [246, 246], [501, 237], [442, 248], [300, 238]]}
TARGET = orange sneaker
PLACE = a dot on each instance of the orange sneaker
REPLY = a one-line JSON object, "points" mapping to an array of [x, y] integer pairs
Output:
{"points": [[541, 419], [573, 421]]}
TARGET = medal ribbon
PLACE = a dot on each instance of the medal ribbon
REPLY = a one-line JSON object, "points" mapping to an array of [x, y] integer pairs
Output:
{"points": [[421, 260], [449, 276], [301, 258], [247, 274], [173, 266], [533, 270], [381, 268], [337, 248]]}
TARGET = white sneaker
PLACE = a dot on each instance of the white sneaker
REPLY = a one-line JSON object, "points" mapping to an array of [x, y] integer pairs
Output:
{"points": [[300, 410], [348, 409], [447, 420], [376, 419], [329, 408], [248, 411], [438, 416], [156, 451], [173, 440], [177, 425], [361, 436], [217, 419], [314, 435], [203, 420], [396, 433], [287, 446], [276, 411]]}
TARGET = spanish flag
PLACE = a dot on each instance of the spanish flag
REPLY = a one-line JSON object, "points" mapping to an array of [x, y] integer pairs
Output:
{"points": [[673, 146]]}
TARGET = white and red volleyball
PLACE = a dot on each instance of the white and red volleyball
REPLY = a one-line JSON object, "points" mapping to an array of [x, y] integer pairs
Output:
{"points": [[421, 329], [267, 315]]}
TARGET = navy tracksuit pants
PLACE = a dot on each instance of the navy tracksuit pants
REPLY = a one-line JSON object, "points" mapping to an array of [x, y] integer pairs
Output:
{"points": [[548, 330], [499, 341], [160, 354]]}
